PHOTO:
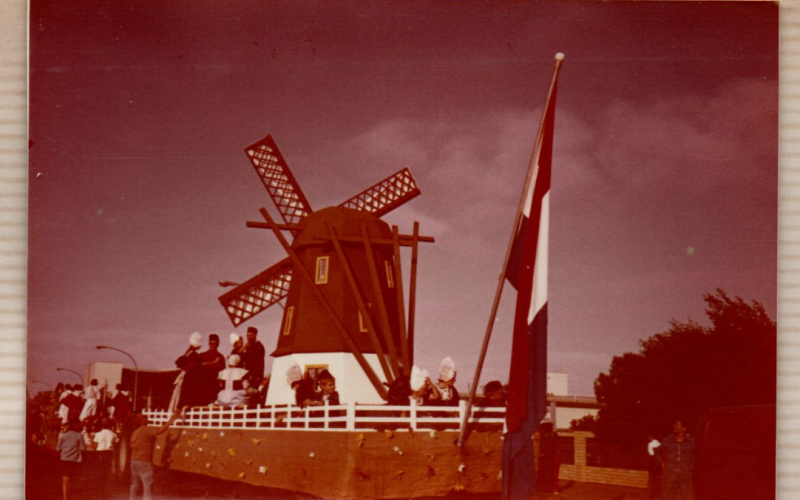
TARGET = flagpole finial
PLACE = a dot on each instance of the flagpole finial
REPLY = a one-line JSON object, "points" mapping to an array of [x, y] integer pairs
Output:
{"points": [[560, 56]]}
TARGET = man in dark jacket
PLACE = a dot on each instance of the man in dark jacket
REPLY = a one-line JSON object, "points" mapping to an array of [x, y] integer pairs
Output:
{"points": [[677, 459], [253, 357]]}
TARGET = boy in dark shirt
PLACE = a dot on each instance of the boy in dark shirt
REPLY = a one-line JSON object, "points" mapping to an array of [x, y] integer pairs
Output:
{"points": [[327, 386]]}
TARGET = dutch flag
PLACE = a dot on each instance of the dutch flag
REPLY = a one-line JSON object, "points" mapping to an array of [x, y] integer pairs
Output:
{"points": [[527, 273]]}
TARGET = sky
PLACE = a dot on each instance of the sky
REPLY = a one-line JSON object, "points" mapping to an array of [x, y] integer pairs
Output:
{"points": [[664, 182]]}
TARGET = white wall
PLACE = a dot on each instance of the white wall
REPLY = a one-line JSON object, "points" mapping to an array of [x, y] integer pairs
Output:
{"points": [[558, 384], [351, 381]]}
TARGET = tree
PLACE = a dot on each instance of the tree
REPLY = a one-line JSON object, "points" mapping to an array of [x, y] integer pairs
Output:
{"points": [[685, 371]]}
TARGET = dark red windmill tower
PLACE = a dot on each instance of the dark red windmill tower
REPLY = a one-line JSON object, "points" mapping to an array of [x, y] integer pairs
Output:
{"points": [[342, 283]]}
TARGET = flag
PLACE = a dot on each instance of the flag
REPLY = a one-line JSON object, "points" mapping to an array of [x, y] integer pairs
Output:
{"points": [[527, 273]]}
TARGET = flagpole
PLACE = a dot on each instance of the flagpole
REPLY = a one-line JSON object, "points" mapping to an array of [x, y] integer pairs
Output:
{"points": [[559, 58]]}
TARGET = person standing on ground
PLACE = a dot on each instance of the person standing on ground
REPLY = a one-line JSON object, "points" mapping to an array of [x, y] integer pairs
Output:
{"points": [[143, 440], [677, 459], [71, 445], [105, 442], [653, 468], [549, 459]]}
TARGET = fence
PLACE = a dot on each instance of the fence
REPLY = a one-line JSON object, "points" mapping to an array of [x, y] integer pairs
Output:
{"points": [[347, 417]]}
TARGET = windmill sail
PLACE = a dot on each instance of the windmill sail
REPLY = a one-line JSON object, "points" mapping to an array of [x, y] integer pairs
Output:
{"points": [[278, 179], [386, 195], [258, 293]]}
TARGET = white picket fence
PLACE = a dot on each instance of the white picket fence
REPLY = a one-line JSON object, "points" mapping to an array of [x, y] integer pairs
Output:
{"points": [[346, 417]]}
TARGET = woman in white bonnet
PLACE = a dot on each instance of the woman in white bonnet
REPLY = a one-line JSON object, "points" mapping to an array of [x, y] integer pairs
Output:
{"points": [[234, 385], [187, 391], [423, 391], [448, 394], [237, 344]]}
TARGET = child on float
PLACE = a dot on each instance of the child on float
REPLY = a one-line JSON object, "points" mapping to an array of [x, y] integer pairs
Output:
{"points": [[327, 392]]}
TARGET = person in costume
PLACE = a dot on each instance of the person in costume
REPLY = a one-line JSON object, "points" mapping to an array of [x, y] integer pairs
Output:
{"points": [[253, 355], [424, 392], [303, 387], [448, 394], [234, 384], [211, 363], [188, 384], [237, 344]]}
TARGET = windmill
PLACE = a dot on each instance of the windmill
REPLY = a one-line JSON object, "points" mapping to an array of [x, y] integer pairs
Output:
{"points": [[342, 282]]}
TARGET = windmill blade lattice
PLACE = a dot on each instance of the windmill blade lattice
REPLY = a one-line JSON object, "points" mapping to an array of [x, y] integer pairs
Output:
{"points": [[278, 179], [258, 293], [386, 195]]}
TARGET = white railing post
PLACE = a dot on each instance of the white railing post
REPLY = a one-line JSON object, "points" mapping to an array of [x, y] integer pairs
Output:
{"points": [[305, 417], [289, 415], [414, 414], [325, 417], [351, 415], [462, 409]]}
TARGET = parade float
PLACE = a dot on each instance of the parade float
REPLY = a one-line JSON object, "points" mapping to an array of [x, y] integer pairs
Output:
{"points": [[344, 311]]}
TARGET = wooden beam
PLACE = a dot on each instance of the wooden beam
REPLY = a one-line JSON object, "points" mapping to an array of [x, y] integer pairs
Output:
{"points": [[267, 225], [362, 307], [401, 310], [412, 293], [303, 272], [386, 328], [406, 240]]}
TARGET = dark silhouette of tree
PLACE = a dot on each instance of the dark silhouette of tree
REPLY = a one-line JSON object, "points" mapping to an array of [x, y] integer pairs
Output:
{"points": [[683, 372]]}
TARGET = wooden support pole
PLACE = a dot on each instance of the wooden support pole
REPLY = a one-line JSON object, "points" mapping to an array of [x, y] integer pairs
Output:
{"points": [[382, 314], [412, 293], [305, 275], [362, 307], [401, 310]]}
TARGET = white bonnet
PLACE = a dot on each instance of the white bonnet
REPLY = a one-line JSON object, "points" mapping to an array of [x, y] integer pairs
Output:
{"points": [[417, 378], [195, 339], [447, 370], [293, 374], [235, 338]]}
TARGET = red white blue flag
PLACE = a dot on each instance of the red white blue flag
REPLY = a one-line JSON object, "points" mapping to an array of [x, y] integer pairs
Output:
{"points": [[527, 273]]}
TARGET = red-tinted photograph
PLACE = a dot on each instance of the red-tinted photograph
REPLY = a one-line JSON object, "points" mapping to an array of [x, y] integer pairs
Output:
{"points": [[385, 249]]}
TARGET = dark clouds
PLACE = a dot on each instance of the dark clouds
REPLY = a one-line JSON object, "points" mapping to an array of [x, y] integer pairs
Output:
{"points": [[665, 162]]}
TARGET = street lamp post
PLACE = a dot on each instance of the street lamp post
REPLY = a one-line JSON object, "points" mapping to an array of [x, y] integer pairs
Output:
{"points": [[80, 377], [135, 376]]}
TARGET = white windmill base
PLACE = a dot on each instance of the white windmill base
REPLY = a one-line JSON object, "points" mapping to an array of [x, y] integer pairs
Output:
{"points": [[351, 381]]}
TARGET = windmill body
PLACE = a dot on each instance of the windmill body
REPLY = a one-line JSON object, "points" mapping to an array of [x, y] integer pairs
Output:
{"points": [[307, 335], [342, 284]]}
